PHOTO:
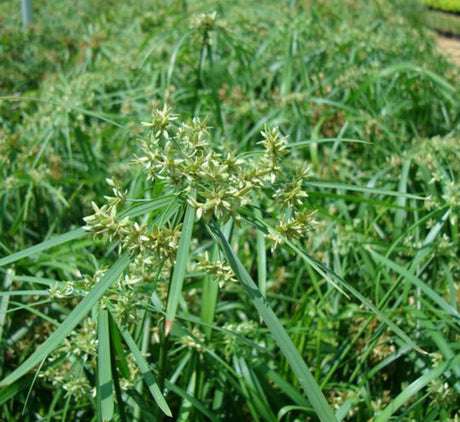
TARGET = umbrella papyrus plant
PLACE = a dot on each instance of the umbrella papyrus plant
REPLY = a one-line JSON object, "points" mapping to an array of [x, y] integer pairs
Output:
{"points": [[192, 196]]}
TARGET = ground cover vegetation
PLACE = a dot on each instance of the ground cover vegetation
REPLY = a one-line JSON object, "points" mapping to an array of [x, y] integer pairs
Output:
{"points": [[228, 211], [443, 16], [447, 5]]}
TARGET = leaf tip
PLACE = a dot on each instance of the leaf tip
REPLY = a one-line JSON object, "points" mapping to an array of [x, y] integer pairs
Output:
{"points": [[168, 326]]}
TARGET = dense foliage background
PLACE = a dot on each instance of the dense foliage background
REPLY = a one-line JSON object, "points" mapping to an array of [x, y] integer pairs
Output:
{"points": [[330, 74]]}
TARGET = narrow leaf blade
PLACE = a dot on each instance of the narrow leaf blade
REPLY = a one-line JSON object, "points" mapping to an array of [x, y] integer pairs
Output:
{"points": [[104, 380], [303, 374], [71, 321], [178, 275], [47, 244], [147, 373]]}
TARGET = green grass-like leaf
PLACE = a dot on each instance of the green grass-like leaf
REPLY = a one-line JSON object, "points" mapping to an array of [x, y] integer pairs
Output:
{"points": [[177, 279], [72, 320], [415, 387], [303, 374], [435, 297], [47, 244], [146, 372], [104, 369]]}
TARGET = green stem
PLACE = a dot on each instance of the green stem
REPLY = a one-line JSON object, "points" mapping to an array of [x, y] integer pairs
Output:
{"points": [[162, 362]]}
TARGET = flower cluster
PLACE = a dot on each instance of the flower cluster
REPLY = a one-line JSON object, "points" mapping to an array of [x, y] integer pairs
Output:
{"points": [[232, 344], [194, 341], [81, 352], [293, 193], [161, 121], [132, 236], [80, 349], [439, 158], [72, 288], [442, 394], [183, 158], [204, 22], [294, 227], [218, 269], [119, 196], [179, 160], [275, 146], [217, 184]]}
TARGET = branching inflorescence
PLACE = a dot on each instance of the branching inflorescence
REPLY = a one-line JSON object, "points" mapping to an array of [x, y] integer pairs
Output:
{"points": [[218, 185]]}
